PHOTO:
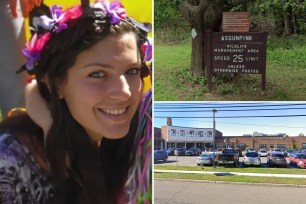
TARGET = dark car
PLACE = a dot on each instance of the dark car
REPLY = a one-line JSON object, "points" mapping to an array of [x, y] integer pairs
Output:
{"points": [[198, 150], [239, 152], [160, 155], [276, 159], [180, 151], [228, 157], [290, 151], [285, 152], [170, 151], [193, 151]]}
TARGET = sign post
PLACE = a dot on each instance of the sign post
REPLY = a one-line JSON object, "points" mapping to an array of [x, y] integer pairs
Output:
{"points": [[236, 52]]}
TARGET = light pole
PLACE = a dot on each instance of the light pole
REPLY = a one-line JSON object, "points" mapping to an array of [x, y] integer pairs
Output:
{"points": [[213, 134]]}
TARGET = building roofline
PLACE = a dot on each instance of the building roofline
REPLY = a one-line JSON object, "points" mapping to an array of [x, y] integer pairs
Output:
{"points": [[187, 127]]}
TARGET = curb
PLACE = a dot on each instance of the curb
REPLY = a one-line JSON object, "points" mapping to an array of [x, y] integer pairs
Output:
{"points": [[235, 183], [302, 176]]}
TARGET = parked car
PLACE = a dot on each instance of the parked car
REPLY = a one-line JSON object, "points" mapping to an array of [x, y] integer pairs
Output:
{"points": [[228, 157], [160, 155], [206, 158], [302, 162], [276, 159], [170, 151], [262, 153], [275, 150], [239, 151], [303, 151], [180, 151], [198, 150], [285, 152], [193, 151], [250, 150], [251, 158], [290, 151], [278, 150], [295, 158]]}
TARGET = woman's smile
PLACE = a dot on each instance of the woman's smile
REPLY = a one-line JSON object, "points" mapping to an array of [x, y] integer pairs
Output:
{"points": [[115, 115], [114, 111]]}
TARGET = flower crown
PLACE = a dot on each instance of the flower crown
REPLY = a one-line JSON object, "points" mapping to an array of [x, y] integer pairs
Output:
{"points": [[58, 22]]}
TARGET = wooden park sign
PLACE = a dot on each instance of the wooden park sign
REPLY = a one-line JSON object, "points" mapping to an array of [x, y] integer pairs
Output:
{"points": [[235, 22], [236, 52]]}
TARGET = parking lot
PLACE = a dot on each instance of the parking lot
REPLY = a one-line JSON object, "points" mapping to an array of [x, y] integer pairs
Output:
{"points": [[192, 161]]}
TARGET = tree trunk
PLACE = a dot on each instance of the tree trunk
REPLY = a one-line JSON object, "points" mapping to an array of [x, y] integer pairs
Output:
{"points": [[294, 24], [287, 24], [204, 15], [195, 16], [197, 59]]}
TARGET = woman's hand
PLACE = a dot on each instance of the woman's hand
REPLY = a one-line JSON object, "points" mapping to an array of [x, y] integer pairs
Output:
{"points": [[26, 6], [36, 107]]}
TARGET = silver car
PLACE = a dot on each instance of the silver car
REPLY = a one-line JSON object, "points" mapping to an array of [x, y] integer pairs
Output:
{"points": [[251, 158], [205, 159]]}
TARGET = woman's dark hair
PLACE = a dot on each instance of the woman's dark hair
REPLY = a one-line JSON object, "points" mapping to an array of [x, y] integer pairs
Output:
{"points": [[95, 174]]}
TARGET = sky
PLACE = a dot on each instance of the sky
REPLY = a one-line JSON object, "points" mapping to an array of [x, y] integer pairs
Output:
{"points": [[292, 126]]}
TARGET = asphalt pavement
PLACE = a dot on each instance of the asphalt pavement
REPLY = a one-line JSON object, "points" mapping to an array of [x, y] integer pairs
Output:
{"points": [[173, 191]]}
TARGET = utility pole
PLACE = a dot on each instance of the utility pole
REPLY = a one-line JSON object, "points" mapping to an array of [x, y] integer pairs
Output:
{"points": [[214, 128], [214, 135]]}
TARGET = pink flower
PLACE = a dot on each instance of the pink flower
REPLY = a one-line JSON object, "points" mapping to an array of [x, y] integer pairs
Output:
{"points": [[71, 13], [34, 48]]}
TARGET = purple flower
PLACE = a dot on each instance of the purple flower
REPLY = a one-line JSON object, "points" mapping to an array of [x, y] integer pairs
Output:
{"points": [[34, 48], [115, 10]]}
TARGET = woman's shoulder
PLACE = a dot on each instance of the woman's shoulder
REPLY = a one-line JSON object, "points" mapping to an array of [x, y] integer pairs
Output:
{"points": [[14, 155], [16, 158], [20, 176], [8, 143], [20, 138]]}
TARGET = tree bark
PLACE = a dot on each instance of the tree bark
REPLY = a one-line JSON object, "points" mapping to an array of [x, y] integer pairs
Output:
{"points": [[195, 16], [294, 24], [204, 15], [287, 24]]}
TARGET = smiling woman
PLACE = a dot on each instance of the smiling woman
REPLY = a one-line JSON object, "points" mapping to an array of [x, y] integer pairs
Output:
{"points": [[90, 139], [103, 96]]}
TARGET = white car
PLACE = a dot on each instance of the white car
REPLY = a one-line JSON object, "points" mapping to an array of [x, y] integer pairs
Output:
{"points": [[263, 153], [251, 150]]}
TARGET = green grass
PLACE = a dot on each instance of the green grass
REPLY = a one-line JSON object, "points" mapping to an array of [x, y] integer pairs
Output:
{"points": [[232, 178], [230, 169], [286, 71]]}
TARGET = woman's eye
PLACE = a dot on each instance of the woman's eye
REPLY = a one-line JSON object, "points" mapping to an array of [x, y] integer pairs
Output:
{"points": [[133, 71], [97, 75]]}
